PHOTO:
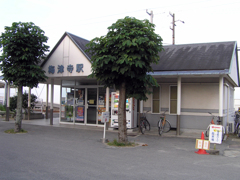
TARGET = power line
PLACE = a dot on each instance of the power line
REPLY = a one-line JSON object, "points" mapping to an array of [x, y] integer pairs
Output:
{"points": [[113, 15], [156, 13]]}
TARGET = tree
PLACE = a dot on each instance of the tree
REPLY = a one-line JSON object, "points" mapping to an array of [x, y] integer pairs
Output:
{"points": [[13, 102], [123, 58], [23, 48]]}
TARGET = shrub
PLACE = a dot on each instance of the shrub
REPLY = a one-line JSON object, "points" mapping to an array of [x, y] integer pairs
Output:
{"points": [[2, 108]]}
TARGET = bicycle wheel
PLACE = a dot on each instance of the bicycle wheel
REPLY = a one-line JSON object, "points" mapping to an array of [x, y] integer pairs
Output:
{"points": [[167, 126], [147, 125], [238, 133], [142, 127], [223, 133], [160, 127]]}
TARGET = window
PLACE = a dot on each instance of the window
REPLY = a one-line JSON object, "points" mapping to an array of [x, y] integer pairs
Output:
{"points": [[173, 99], [156, 100]]}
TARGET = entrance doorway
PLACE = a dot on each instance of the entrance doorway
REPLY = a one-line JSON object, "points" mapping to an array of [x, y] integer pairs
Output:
{"points": [[86, 103], [91, 105]]}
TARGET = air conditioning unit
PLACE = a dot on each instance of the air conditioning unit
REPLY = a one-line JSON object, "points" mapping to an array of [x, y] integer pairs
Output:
{"points": [[230, 127]]}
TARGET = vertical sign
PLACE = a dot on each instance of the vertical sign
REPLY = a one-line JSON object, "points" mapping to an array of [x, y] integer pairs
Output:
{"points": [[80, 113], [215, 134], [105, 117]]}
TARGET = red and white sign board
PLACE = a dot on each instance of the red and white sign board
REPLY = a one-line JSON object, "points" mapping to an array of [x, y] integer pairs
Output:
{"points": [[202, 144], [215, 134]]}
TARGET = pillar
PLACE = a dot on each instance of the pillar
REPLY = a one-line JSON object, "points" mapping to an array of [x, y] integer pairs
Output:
{"points": [[51, 107], [7, 89], [47, 91], [178, 105], [29, 102]]}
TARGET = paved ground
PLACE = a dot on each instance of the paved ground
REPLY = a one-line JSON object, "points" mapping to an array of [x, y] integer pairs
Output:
{"points": [[76, 152]]}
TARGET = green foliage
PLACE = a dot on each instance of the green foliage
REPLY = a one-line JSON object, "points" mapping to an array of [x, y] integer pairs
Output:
{"points": [[13, 102], [125, 54], [121, 144], [23, 49], [2, 108]]}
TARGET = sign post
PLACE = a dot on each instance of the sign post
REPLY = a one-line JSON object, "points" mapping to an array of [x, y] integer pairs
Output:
{"points": [[105, 115], [105, 119]]}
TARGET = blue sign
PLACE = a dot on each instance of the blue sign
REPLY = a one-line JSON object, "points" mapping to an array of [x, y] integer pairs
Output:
{"points": [[79, 68], [70, 68], [51, 69], [60, 69]]}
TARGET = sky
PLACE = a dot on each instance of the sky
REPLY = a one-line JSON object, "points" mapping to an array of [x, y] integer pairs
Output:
{"points": [[204, 20]]}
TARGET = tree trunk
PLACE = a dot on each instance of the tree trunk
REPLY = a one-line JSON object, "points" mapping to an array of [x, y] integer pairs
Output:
{"points": [[122, 128], [18, 123]]}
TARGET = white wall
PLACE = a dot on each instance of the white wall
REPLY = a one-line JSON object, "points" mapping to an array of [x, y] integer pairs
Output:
{"points": [[200, 96], [65, 54]]}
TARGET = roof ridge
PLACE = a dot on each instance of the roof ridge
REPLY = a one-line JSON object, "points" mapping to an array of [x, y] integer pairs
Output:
{"points": [[71, 34], [197, 44]]}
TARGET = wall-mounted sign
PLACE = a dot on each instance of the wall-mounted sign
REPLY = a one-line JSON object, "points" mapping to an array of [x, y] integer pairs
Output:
{"points": [[60, 69], [51, 69], [70, 68]]}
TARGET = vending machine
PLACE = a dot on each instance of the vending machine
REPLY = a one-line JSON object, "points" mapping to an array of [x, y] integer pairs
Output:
{"points": [[131, 111]]}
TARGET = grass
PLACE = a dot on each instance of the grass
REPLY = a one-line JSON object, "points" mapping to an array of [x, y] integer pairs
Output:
{"points": [[11, 131], [121, 144]]}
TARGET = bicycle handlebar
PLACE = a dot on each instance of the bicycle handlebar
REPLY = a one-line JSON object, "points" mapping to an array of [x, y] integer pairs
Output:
{"points": [[218, 120], [163, 114]]}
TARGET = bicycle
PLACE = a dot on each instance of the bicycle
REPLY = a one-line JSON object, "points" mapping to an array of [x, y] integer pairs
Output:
{"points": [[218, 123], [163, 124], [144, 124], [236, 125]]}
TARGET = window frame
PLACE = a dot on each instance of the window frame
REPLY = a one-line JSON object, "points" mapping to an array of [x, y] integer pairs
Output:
{"points": [[159, 110], [172, 99]]}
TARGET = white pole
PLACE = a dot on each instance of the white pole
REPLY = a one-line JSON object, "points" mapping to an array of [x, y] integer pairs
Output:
{"points": [[141, 106], [47, 91], [60, 109], [179, 96], [8, 95], [52, 95], [221, 96], [29, 102], [178, 104], [107, 110]]}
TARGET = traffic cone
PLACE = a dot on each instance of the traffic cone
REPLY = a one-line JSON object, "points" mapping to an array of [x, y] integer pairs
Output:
{"points": [[202, 151]]}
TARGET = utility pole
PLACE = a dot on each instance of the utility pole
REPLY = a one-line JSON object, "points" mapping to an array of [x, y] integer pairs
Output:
{"points": [[173, 27], [150, 14]]}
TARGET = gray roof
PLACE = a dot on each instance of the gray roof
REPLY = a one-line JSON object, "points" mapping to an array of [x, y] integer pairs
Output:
{"points": [[78, 41], [196, 57], [187, 58], [81, 43]]}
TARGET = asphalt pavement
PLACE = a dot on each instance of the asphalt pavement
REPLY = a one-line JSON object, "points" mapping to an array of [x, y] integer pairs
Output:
{"points": [[77, 152]]}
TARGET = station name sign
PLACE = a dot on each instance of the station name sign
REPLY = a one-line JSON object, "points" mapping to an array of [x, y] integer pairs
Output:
{"points": [[70, 68]]}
